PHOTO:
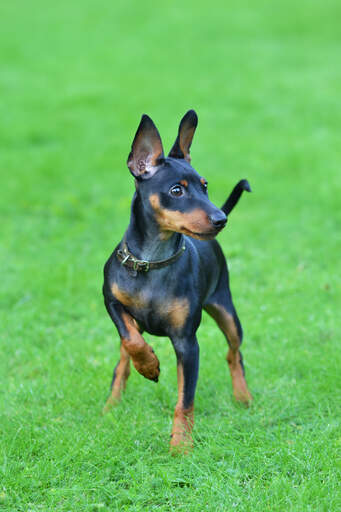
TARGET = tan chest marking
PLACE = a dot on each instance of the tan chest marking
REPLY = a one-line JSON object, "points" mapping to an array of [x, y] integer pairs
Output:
{"points": [[174, 310], [130, 300]]}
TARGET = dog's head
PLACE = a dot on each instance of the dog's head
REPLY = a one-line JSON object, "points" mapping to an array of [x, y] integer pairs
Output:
{"points": [[170, 189]]}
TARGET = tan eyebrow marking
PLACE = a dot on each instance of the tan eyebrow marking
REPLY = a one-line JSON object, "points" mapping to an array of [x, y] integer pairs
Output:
{"points": [[203, 181], [184, 183]]}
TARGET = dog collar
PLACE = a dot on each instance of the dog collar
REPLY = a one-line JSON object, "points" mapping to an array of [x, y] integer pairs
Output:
{"points": [[127, 259]]}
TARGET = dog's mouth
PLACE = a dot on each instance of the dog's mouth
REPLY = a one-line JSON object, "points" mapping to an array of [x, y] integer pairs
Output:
{"points": [[208, 235]]}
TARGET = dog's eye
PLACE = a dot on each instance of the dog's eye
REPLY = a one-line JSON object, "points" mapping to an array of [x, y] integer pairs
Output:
{"points": [[205, 186], [177, 191]]}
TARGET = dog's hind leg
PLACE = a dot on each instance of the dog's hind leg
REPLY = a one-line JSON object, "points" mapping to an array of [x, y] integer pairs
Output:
{"points": [[221, 308], [119, 379]]}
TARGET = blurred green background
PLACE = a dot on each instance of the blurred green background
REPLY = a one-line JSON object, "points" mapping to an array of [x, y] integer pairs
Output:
{"points": [[265, 79]]}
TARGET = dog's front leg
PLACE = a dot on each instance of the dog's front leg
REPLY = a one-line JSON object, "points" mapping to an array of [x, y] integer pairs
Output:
{"points": [[187, 354], [142, 354]]}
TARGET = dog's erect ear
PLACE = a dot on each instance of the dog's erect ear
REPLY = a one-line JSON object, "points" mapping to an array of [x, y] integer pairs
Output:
{"points": [[185, 135], [146, 150]]}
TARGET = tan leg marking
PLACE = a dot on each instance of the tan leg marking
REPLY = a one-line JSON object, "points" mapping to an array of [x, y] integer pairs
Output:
{"points": [[229, 328], [142, 354], [122, 373], [181, 439]]}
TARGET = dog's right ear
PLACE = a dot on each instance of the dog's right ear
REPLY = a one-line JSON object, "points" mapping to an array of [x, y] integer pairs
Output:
{"points": [[146, 150], [183, 141]]}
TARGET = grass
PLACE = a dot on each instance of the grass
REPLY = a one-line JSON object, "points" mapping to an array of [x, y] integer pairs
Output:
{"points": [[265, 81]]}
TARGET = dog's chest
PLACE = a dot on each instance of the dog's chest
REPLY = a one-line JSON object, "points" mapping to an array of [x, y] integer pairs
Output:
{"points": [[157, 311]]}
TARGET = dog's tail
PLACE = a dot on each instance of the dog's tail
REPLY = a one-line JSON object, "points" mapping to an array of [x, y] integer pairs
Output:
{"points": [[233, 198]]}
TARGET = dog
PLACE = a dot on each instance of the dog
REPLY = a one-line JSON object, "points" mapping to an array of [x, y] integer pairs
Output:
{"points": [[168, 268]]}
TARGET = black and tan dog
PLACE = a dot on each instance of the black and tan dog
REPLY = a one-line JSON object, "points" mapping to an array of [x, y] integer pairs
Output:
{"points": [[168, 267]]}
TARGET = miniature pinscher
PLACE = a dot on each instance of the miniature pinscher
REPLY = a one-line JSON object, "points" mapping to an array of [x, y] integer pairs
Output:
{"points": [[168, 268]]}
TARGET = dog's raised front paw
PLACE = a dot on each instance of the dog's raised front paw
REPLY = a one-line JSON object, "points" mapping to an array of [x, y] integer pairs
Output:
{"points": [[147, 364]]}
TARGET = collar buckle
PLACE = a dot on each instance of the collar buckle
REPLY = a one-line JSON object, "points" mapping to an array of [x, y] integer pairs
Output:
{"points": [[146, 265], [140, 265], [127, 259]]}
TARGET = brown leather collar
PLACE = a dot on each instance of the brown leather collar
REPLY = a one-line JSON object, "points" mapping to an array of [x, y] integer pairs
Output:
{"points": [[128, 259]]}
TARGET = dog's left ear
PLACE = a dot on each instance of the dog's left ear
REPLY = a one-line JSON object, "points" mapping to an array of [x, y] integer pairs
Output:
{"points": [[146, 150], [183, 141]]}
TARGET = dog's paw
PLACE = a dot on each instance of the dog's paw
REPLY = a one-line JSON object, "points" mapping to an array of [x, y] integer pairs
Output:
{"points": [[181, 443], [243, 396], [112, 401], [147, 364]]}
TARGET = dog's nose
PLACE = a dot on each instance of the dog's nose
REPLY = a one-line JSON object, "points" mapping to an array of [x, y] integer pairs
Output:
{"points": [[218, 219]]}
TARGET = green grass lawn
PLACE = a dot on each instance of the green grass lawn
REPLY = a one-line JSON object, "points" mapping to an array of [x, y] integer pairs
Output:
{"points": [[266, 83]]}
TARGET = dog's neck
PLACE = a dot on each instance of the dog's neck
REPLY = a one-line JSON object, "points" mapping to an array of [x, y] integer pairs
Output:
{"points": [[144, 237]]}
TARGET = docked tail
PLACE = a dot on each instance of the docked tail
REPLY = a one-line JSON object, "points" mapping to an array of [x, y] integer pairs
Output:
{"points": [[233, 198]]}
